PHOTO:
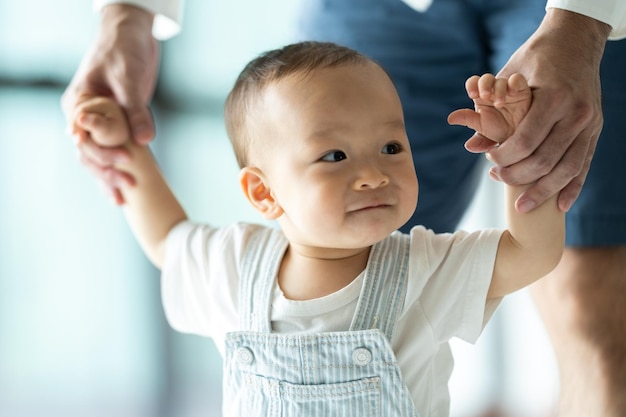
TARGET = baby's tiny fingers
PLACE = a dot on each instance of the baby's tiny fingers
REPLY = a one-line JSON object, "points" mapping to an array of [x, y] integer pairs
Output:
{"points": [[471, 85], [92, 121], [500, 92], [104, 129], [517, 83], [486, 85]]}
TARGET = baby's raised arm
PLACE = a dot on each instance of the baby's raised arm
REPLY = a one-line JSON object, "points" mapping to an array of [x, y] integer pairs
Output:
{"points": [[533, 244], [150, 206]]}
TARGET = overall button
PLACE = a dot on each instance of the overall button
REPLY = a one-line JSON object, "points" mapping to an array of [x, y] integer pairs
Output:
{"points": [[244, 356], [362, 356]]}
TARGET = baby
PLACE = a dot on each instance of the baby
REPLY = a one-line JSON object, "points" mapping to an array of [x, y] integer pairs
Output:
{"points": [[334, 312]]}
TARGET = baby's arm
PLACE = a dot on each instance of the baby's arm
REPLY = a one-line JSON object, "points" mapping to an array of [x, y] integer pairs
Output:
{"points": [[150, 206], [533, 244]]}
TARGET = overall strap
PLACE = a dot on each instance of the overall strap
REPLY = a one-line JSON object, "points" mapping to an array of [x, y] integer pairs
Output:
{"points": [[384, 287], [260, 263]]}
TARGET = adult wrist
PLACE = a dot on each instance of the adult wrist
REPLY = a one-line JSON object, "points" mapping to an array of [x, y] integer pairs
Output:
{"points": [[576, 25], [165, 16], [582, 32], [120, 15], [611, 12]]}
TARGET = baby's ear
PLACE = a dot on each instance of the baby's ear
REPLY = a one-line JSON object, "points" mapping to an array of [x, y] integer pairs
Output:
{"points": [[255, 188]]}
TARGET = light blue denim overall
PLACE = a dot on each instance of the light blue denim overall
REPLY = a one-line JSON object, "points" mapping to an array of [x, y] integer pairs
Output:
{"points": [[343, 374]]}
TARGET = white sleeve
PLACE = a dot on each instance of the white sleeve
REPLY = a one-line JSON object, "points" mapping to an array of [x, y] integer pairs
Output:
{"points": [[168, 14], [200, 278], [455, 271], [611, 12]]}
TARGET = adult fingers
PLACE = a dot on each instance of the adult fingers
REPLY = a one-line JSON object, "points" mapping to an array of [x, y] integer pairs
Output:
{"points": [[533, 130], [557, 150], [105, 157], [69, 102], [570, 193], [568, 175], [133, 92], [141, 122], [107, 179], [108, 176], [99, 161]]}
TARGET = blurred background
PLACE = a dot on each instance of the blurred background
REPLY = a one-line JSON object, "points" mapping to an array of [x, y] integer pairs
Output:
{"points": [[82, 331]]}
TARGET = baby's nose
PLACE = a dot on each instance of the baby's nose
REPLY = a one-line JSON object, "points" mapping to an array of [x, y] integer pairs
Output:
{"points": [[371, 177]]}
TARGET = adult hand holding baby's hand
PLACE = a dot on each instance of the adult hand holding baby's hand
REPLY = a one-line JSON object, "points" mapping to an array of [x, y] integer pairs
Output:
{"points": [[122, 64], [103, 121], [101, 129], [554, 145]]}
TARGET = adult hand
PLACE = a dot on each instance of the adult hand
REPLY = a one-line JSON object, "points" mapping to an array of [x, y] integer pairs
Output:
{"points": [[555, 142], [122, 63]]}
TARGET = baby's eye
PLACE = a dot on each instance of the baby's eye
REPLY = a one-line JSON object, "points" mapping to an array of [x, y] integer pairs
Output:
{"points": [[334, 156], [392, 148]]}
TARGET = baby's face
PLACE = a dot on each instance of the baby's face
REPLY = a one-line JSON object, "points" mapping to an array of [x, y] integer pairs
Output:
{"points": [[337, 157]]}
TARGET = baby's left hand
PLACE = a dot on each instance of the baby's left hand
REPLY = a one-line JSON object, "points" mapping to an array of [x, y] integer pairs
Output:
{"points": [[500, 104], [104, 121], [101, 129]]}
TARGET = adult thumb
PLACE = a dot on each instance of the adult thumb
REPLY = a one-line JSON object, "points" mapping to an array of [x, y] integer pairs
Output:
{"points": [[141, 123]]}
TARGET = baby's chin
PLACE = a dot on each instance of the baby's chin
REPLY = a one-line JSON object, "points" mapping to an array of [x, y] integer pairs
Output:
{"points": [[367, 238], [356, 235]]}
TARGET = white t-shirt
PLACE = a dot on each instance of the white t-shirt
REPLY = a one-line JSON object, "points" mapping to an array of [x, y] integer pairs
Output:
{"points": [[449, 276], [169, 12]]}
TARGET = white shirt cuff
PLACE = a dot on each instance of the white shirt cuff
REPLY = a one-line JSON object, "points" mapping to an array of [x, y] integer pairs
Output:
{"points": [[167, 14], [611, 12], [419, 5]]}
